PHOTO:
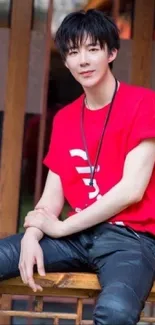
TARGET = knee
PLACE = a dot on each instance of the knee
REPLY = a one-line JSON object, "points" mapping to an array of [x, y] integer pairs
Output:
{"points": [[113, 310], [112, 315]]}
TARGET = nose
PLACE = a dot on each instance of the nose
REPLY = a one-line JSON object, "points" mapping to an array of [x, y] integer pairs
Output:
{"points": [[84, 61]]}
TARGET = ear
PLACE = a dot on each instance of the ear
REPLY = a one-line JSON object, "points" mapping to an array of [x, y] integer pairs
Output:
{"points": [[112, 55]]}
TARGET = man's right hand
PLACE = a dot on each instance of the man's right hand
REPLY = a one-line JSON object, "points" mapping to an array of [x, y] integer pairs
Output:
{"points": [[31, 254]]}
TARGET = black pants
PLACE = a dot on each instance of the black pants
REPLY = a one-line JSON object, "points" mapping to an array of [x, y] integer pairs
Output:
{"points": [[123, 260]]}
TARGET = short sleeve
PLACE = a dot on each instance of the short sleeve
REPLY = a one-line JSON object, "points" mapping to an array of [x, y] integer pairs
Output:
{"points": [[143, 123], [52, 159]]}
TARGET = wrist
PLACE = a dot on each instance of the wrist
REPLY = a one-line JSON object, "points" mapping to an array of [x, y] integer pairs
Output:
{"points": [[35, 232]]}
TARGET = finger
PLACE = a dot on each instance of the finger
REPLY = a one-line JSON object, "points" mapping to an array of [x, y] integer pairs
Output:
{"points": [[26, 224], [22, 272], [40, 265], [30, 280], [38, 287], [22, 275], [30, 213], [29, 276], [21, 268], [29, 217], [29, 223], [32, 284]]}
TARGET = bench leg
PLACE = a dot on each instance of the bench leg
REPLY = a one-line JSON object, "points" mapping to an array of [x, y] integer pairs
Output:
{"points": [[79, 311]]}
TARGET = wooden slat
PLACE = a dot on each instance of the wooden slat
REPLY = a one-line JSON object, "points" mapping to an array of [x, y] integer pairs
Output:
{"points": [[16, 91], [60, 280], [50, 292], [42, 129], [150, 320], [142, 43], [38, 315]]}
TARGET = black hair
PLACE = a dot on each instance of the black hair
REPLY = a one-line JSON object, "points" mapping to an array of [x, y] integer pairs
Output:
{"points": [[80, 24]]}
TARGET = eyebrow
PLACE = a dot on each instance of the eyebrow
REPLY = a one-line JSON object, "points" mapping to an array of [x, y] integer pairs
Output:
{"points": [[92, 44], [73, 47]]}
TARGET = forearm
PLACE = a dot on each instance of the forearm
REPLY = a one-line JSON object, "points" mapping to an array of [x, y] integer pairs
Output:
{"points": [[116, 200], [50, 208], [52, 199]]}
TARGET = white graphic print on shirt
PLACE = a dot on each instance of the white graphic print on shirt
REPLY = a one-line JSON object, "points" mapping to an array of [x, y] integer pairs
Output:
{"points": [[86, 170]]}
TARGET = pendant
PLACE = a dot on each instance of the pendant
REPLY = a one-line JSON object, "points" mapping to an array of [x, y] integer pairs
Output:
{"points": [[91, 183]]}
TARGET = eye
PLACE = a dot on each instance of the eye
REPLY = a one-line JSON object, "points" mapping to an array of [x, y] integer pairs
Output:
{"points": [[73, 52], [94, 49]]}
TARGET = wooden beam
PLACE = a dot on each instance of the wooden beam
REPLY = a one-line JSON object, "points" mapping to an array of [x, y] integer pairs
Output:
{"points": [[115, 10], [96, 4], [142, 42], [48, 37], [16, 92]]}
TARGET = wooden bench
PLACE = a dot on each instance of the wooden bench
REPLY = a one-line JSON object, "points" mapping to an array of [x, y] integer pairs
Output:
{"points": [[73, 285]]}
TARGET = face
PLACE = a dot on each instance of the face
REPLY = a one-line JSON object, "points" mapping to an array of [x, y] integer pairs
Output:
{"points": [[89, 63]]}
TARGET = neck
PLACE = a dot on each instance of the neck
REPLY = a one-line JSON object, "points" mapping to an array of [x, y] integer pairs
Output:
{"points": [[100, 95]]}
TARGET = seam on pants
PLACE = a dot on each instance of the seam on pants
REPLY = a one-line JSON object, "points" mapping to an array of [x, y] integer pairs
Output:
{"points": [[119, 284]]}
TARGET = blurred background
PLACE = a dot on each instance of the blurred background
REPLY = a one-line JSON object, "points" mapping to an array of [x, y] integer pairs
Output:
{"points": [[49, 86], [34, 85]]}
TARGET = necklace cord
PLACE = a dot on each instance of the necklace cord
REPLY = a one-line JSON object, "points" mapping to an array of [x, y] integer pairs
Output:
{"points": [[92, 170]]}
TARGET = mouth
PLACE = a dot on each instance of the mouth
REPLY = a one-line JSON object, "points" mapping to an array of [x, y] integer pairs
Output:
{"points": [[87, 73]]}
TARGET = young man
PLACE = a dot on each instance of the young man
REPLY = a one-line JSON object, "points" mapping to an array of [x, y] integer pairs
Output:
{"points": [[101, 158]]}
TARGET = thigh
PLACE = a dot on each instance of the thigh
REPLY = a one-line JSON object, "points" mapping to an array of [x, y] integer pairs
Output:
{"points": [[66, 254], [130, 262], [126, 276]]}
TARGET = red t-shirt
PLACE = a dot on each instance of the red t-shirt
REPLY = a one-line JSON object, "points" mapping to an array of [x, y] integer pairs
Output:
{"points": [[132, 120]]}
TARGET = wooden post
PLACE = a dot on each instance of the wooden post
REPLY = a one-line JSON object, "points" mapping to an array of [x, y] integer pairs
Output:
{"points": [[142, 42], [16, 91], [42, 128], [12, 139], [115, 9]]}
